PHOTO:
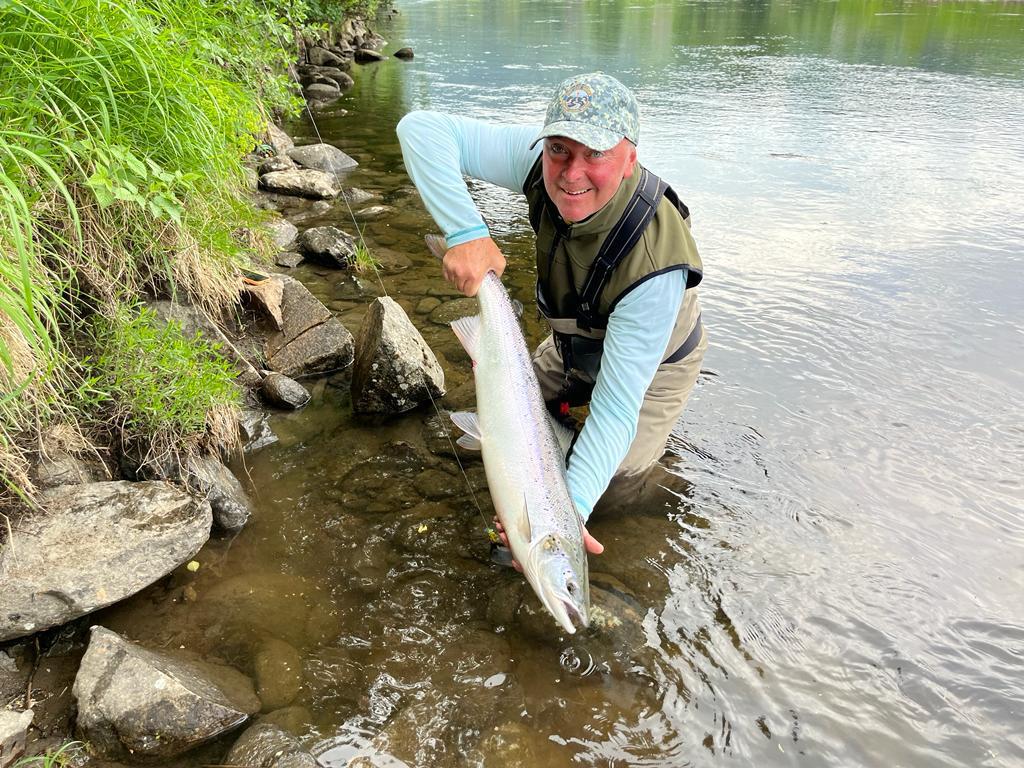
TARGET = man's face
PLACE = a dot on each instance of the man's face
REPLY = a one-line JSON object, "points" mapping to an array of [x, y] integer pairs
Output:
{"points": [[580, 180]]}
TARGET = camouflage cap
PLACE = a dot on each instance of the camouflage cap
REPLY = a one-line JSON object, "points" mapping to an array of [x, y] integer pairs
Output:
{"points": [[593, 109]]}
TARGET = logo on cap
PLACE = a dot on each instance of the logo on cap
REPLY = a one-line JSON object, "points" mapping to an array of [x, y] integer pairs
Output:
{"points": [[577, 97]]}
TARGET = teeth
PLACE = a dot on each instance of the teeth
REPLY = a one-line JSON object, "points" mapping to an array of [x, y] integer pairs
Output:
{"points": [[574, 194]]}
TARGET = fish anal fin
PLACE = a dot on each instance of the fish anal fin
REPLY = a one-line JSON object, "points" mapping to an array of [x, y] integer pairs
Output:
{"points": [[469, 443], [468, 331], [525, 528]]}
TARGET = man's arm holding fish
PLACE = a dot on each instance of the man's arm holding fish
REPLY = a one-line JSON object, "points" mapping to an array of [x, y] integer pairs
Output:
{"points": [[438, 149]]}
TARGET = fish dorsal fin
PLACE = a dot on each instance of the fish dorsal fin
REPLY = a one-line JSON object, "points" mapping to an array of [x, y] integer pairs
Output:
{"points": [[563, 434], [525, 527], [468, 331], [469, 424]]}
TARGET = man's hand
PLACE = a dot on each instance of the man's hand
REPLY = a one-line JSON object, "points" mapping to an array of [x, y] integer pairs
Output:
{"points": [[466, 264], [592, 545]]}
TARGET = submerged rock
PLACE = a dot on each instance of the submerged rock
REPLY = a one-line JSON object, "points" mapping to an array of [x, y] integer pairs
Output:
{"points": [[305, 182], [395, 370], [254, 429], [98, 543], [278, 668], [267, 746], [404, 53], [322, 157], [368, 56], [138, 704]]}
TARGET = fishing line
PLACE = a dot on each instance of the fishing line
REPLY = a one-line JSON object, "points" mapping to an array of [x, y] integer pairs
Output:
{"points": [[492, 535]]}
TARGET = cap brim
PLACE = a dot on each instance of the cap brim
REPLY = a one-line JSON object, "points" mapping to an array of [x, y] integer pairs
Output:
{"points": [[592, 136]]}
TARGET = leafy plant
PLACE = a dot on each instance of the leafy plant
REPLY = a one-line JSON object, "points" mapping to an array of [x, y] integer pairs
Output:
{"points": [[170, 390]]}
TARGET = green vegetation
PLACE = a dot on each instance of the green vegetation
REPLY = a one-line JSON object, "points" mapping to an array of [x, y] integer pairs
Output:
{"points": [[61, 757], [364, 260], [155, 381], [122, 127]]}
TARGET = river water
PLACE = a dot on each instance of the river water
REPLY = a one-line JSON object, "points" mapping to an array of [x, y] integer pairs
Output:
{"points": [[830, 570]]}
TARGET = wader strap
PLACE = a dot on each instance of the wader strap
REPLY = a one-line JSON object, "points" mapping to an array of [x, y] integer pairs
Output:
{"points": [[687, 346], [620, 241]]}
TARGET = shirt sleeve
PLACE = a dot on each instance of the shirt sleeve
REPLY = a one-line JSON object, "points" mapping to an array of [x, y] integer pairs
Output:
{"points": [[438, 149], [638, 332]]}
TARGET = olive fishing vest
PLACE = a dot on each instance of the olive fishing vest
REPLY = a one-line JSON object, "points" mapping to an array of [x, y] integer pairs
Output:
{"points": [[585, 269]]}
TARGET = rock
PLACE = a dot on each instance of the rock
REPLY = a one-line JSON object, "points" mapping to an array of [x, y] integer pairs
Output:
{"points": [[209, 479], [321, 91], [252, 178], [13, 732], [395, 369], [322, 157], [267, 746], [321, 57], [268, 296], [97, 544], [137, 704], [368, 56], [278, 668], [57, 468], [289, 259], [334, 75], [403, 53], [304, 182], [255, 430], [294, 720], [373, 212], [13, 679], [446, 313], [357, 196], [278, 139], [427, 304], [311, 341], [275, 163], [280, 391], [282, 232], [328, 245]]}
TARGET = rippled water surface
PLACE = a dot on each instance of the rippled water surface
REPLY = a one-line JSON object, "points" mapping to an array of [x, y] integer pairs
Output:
{"points": [[830, 570]]}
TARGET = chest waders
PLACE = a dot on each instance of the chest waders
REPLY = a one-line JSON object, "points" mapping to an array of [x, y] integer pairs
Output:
{"points": [[580, 338]]}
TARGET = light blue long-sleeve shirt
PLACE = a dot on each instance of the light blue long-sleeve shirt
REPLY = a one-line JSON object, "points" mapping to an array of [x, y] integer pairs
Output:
{"points": [[438, 150]]}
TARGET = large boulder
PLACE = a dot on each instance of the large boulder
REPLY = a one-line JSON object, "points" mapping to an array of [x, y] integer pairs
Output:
{"points": [[328, 245], [322, 157], [321, 57], [311, 339], [267, 746], [137, 704], [95, 544], [395, 370], [304, 182]]}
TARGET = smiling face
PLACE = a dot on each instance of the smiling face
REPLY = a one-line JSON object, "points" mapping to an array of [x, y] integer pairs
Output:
{"points": [[580, 180]]}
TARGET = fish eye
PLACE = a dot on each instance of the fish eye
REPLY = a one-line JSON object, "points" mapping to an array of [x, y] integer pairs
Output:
{"points": [[571, 586]]}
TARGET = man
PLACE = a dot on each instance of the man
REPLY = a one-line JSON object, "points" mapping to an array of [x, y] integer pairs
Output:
{"points": [[616, 264]]}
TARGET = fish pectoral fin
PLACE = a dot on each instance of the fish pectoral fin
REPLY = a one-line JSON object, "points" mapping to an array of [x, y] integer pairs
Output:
{"points": [[563, 434], [468, 331], [469, 424], [525, 527]]}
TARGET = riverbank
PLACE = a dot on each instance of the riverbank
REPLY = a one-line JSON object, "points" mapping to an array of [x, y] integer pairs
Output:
{"points": [[161, 335]]}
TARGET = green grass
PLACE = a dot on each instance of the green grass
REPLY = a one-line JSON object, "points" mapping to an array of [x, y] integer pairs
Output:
{"points": [[364, 260], [60, 758]]}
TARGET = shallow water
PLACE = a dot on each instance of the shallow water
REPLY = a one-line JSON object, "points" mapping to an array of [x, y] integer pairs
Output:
{"points": [[829, 571]]}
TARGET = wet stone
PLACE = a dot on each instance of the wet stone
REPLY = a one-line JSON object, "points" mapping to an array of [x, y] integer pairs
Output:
{"points": [[267, 746], [404, 53], [438, 484], [357, 196], [373, 212], [427, 304], [328, 245], [283, 392], [450, 311], [278, 668], [289, 259], [295, 720]]}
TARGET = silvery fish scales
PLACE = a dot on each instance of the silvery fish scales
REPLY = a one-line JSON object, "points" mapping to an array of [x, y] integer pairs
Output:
{"points": [[523, 458]]}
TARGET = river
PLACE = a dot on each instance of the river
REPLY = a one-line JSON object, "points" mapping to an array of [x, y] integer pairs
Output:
{"points": [[831, 570]]}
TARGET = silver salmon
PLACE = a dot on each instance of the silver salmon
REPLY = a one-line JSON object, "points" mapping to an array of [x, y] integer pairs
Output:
{"points": [[524, 455]]}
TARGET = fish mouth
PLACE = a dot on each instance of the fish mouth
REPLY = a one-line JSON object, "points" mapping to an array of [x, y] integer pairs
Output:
{"points": [[566, 611]]}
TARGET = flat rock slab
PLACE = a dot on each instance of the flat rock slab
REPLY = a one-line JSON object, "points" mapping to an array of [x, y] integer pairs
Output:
{"points": [[304, 182], [395, 370], [94, 545], [311, 341], [137, 704]]}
